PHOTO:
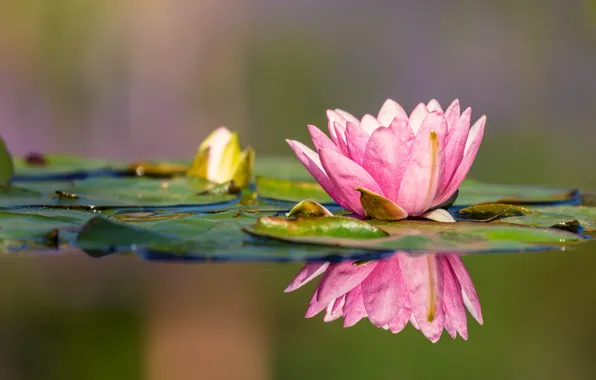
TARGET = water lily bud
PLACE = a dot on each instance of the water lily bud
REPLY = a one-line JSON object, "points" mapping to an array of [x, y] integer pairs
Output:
{"points": [[220, 160]]}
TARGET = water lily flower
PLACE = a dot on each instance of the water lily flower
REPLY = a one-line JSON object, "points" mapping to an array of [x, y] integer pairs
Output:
{"points": [[410, 164], [220, 160], [430, 291]]}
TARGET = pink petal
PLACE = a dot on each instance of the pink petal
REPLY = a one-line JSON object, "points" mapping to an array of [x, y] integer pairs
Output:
{"points": [[439, 215], [470, 150], [424, 280], [306, 274], [384, 292], [434, 106], [420, 182], [354, 309], [399, 322], [348, 116], [369, 123], [454, 149], [468, 290], [453, 303], [340, 278], [389, 111], [414, 322], [333, 118], [314, 306], [449, 327], [417, 117], [452, 114], [312, 163], [320, 140], [382, 160], [340, 131], [345, 175], [404, 133], [334, 309], [357, 139]]}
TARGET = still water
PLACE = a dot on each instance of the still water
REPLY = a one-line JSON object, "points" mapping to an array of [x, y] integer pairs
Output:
{"points": [[70, 316]]}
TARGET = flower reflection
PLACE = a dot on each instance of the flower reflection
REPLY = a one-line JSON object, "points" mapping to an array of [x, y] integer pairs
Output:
{"points": [[431, 291]]}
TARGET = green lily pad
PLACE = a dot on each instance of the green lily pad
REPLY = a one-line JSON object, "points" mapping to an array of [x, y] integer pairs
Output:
{"points": [[192, 237], [115, 192], [39, 228], [472, 193], [282, 167], [189, 219], [421, 236], [61, 165], [290, 191], [493, 210], [552, 216]]}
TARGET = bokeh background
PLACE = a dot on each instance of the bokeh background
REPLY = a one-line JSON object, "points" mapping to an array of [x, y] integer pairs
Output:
{"points": [[131, 79]]}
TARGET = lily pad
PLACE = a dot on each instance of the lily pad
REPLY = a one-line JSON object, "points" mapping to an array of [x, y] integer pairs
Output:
{"points": [[421, 236], [213, 237], [39, 228], [487, 211], [291, 191], [283, 167], [62, 167], [472, 192], [552, 216], [105, 192]]}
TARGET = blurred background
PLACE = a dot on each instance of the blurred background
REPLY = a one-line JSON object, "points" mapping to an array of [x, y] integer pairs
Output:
{"points": [[150, 78]]}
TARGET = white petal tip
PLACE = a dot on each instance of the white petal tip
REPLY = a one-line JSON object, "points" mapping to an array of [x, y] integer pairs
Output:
{"points": [[439, 215]]}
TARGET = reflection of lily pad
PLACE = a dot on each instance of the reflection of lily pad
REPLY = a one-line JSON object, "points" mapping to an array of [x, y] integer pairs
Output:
{"points": [[423, 236]]}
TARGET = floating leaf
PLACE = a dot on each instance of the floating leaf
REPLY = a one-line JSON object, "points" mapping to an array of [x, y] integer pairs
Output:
{"points": [[38, 228], [557, 215], [492, 211], [287, 167], [117, 192], [194, 237], [340, 227], [64, 167], [472, 192], [417, 236], [290, 191]]}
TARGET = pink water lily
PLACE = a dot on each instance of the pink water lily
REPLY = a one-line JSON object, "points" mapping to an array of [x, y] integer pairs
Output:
{"points": [[417, 162], [430, 291]]}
